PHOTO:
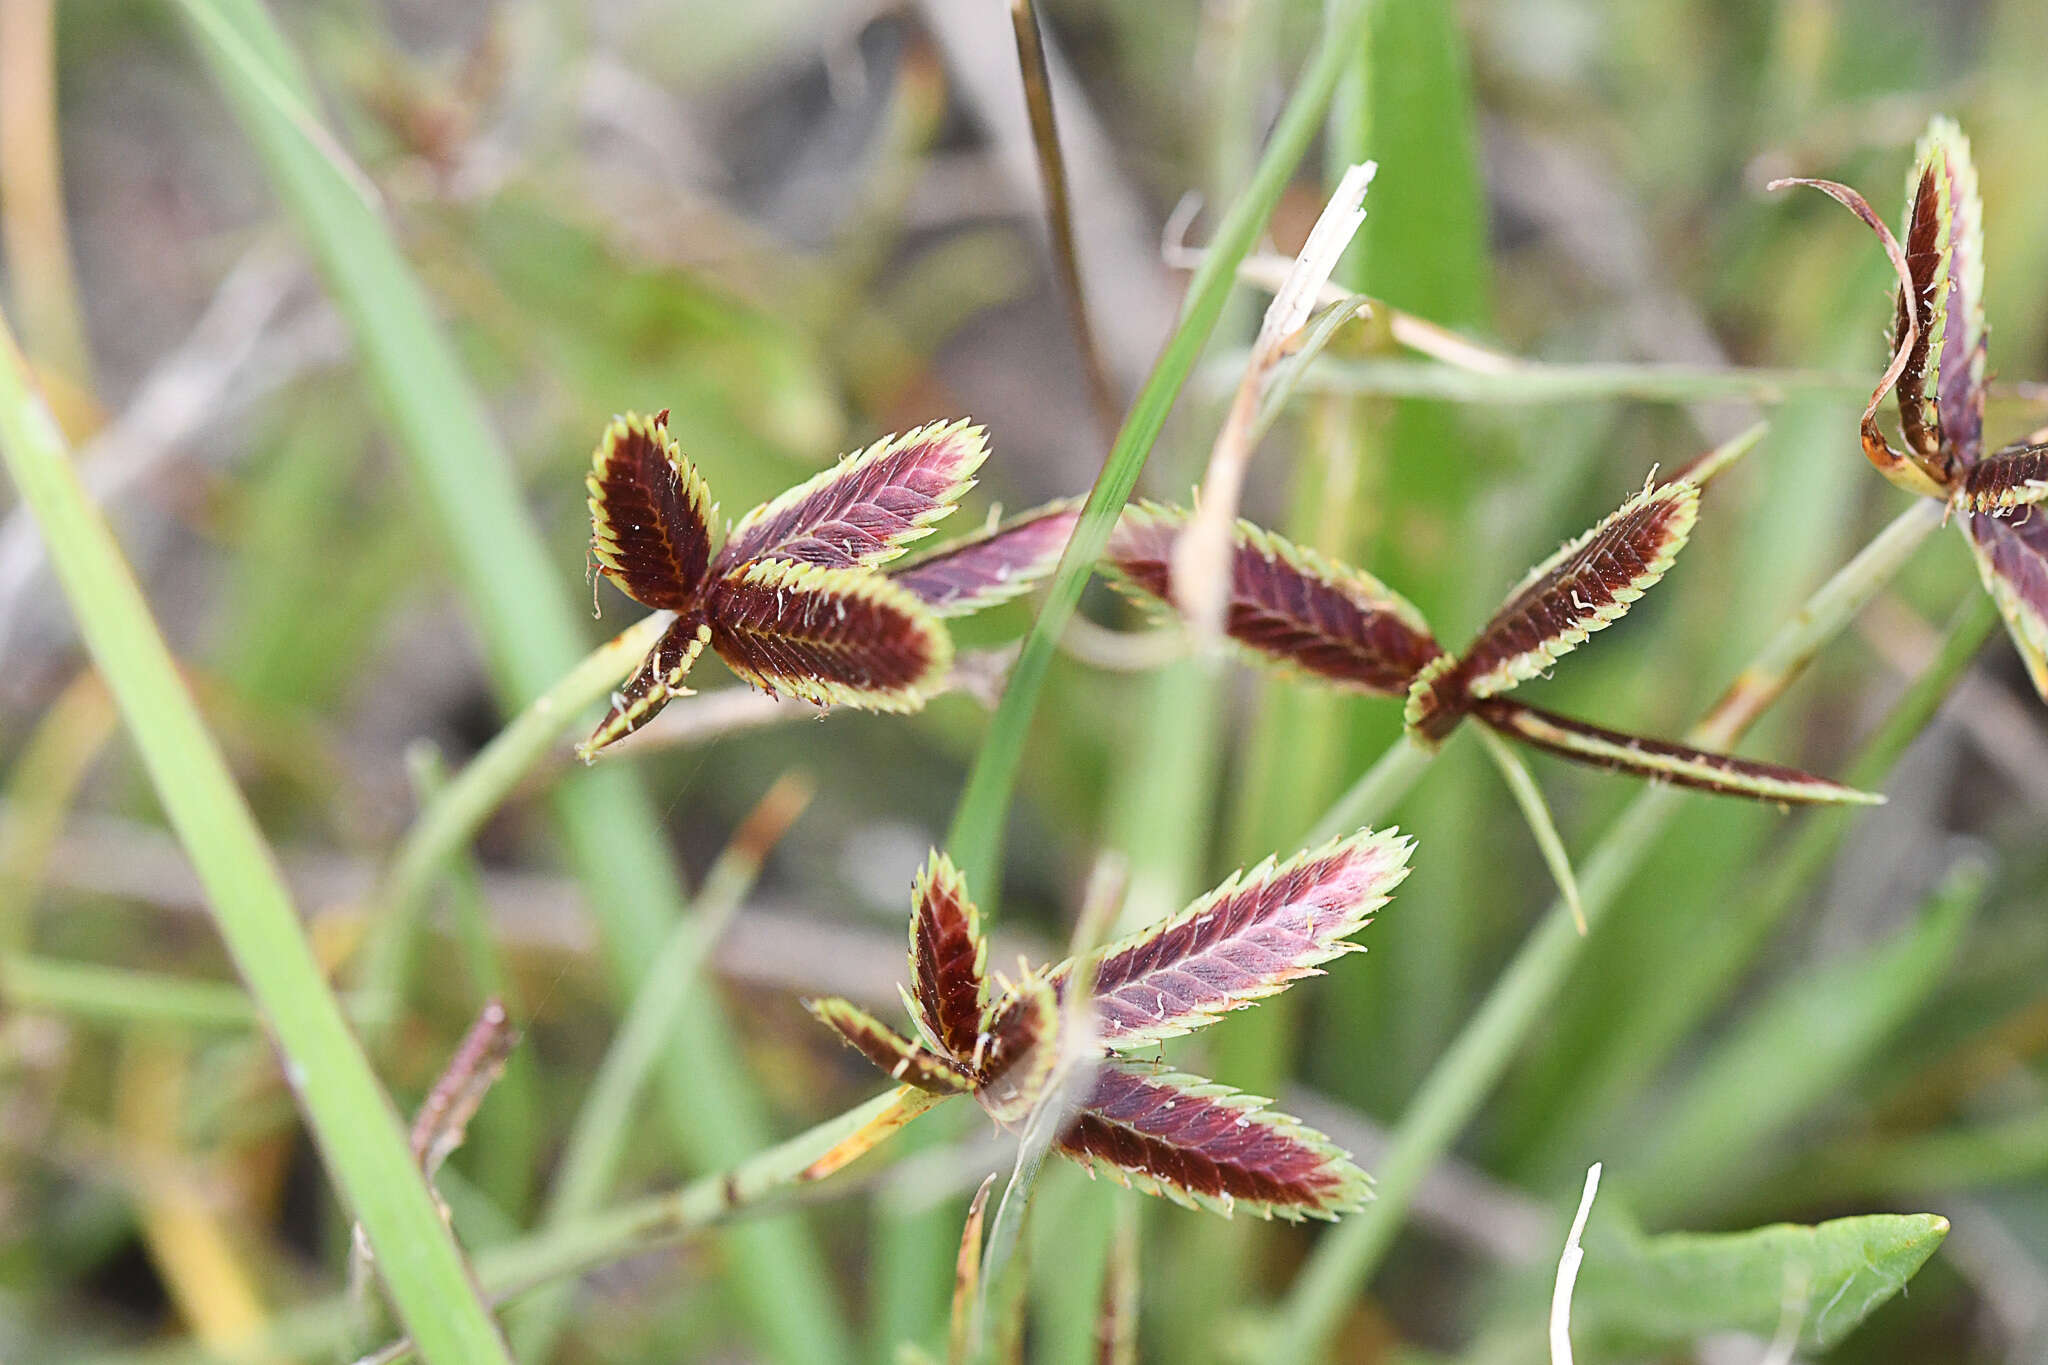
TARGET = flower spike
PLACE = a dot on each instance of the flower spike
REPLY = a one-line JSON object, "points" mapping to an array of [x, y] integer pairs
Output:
{"points": [[992, 566], [1586, 586], [862, 512], [948, 959], [1287, 604], [898, 1057], [1658, 761], [1253, 936], [836, 637], [650, 513], [1206, 1146]]}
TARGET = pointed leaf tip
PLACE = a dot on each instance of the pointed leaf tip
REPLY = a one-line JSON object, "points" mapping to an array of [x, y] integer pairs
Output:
{"points": [[864, 510], [1206, 1146], [1251, 937]]}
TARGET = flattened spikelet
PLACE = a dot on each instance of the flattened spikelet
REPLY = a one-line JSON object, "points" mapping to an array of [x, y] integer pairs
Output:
{"points": [[1015, 1060], [2011, 481], [1251, 937], [896, 1056], [657, 682], [991, 567], [863, 511], [650, 513], [1589, 584], [1288, 605], [835, 637], [1207, 1146], [2012, 560], [948, 958]]}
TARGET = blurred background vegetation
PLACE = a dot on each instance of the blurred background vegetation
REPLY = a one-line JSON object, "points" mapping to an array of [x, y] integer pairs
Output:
{"points": [[800, 225]]}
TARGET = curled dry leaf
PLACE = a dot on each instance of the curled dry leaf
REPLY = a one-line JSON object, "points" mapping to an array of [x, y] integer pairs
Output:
{"points": [[1207, 1146], [1287, 604], [1251, 937]]}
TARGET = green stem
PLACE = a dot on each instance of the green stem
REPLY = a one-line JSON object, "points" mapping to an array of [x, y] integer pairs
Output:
{"points": [[1374, 793], [597, 1142], [1661, 1022], [526, 619], [450, 816], [349, 1114], [1462, 1078], [975, 840], [574, 1248], [1529, 381]]}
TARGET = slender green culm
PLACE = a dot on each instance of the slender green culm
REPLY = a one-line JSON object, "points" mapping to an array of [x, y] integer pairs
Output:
{"points": [[526, 617], [975, 840], [1461, 1079], [349, 1114]]}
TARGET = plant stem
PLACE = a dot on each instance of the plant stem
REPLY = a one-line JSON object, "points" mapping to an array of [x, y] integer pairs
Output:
{"points": [[1532, 382], [975, 840], [597, 1141], [450, 816], [1462, 1078], [526, 619], [1375, 792], [350, 1116]]}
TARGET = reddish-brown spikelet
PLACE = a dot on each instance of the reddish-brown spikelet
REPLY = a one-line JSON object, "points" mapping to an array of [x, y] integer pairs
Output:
{"points": [[1287, 604], [1586, 586], [1251, 937], [1015, 1058], [948, 959], [654, 684], [650, 514], [2012, 560], [836, 637], [862, 512], [992, 566], [1660, 761], [1207, 1146], [2006, 482], [898, 1057], [1927, 259]]}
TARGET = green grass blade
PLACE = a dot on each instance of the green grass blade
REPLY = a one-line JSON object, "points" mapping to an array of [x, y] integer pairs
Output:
{"points": [[1536, 811], [350, 1116], [1793, 1051], [526, 618], [1468, 1071], [1639, 1295], [975, 840]]}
